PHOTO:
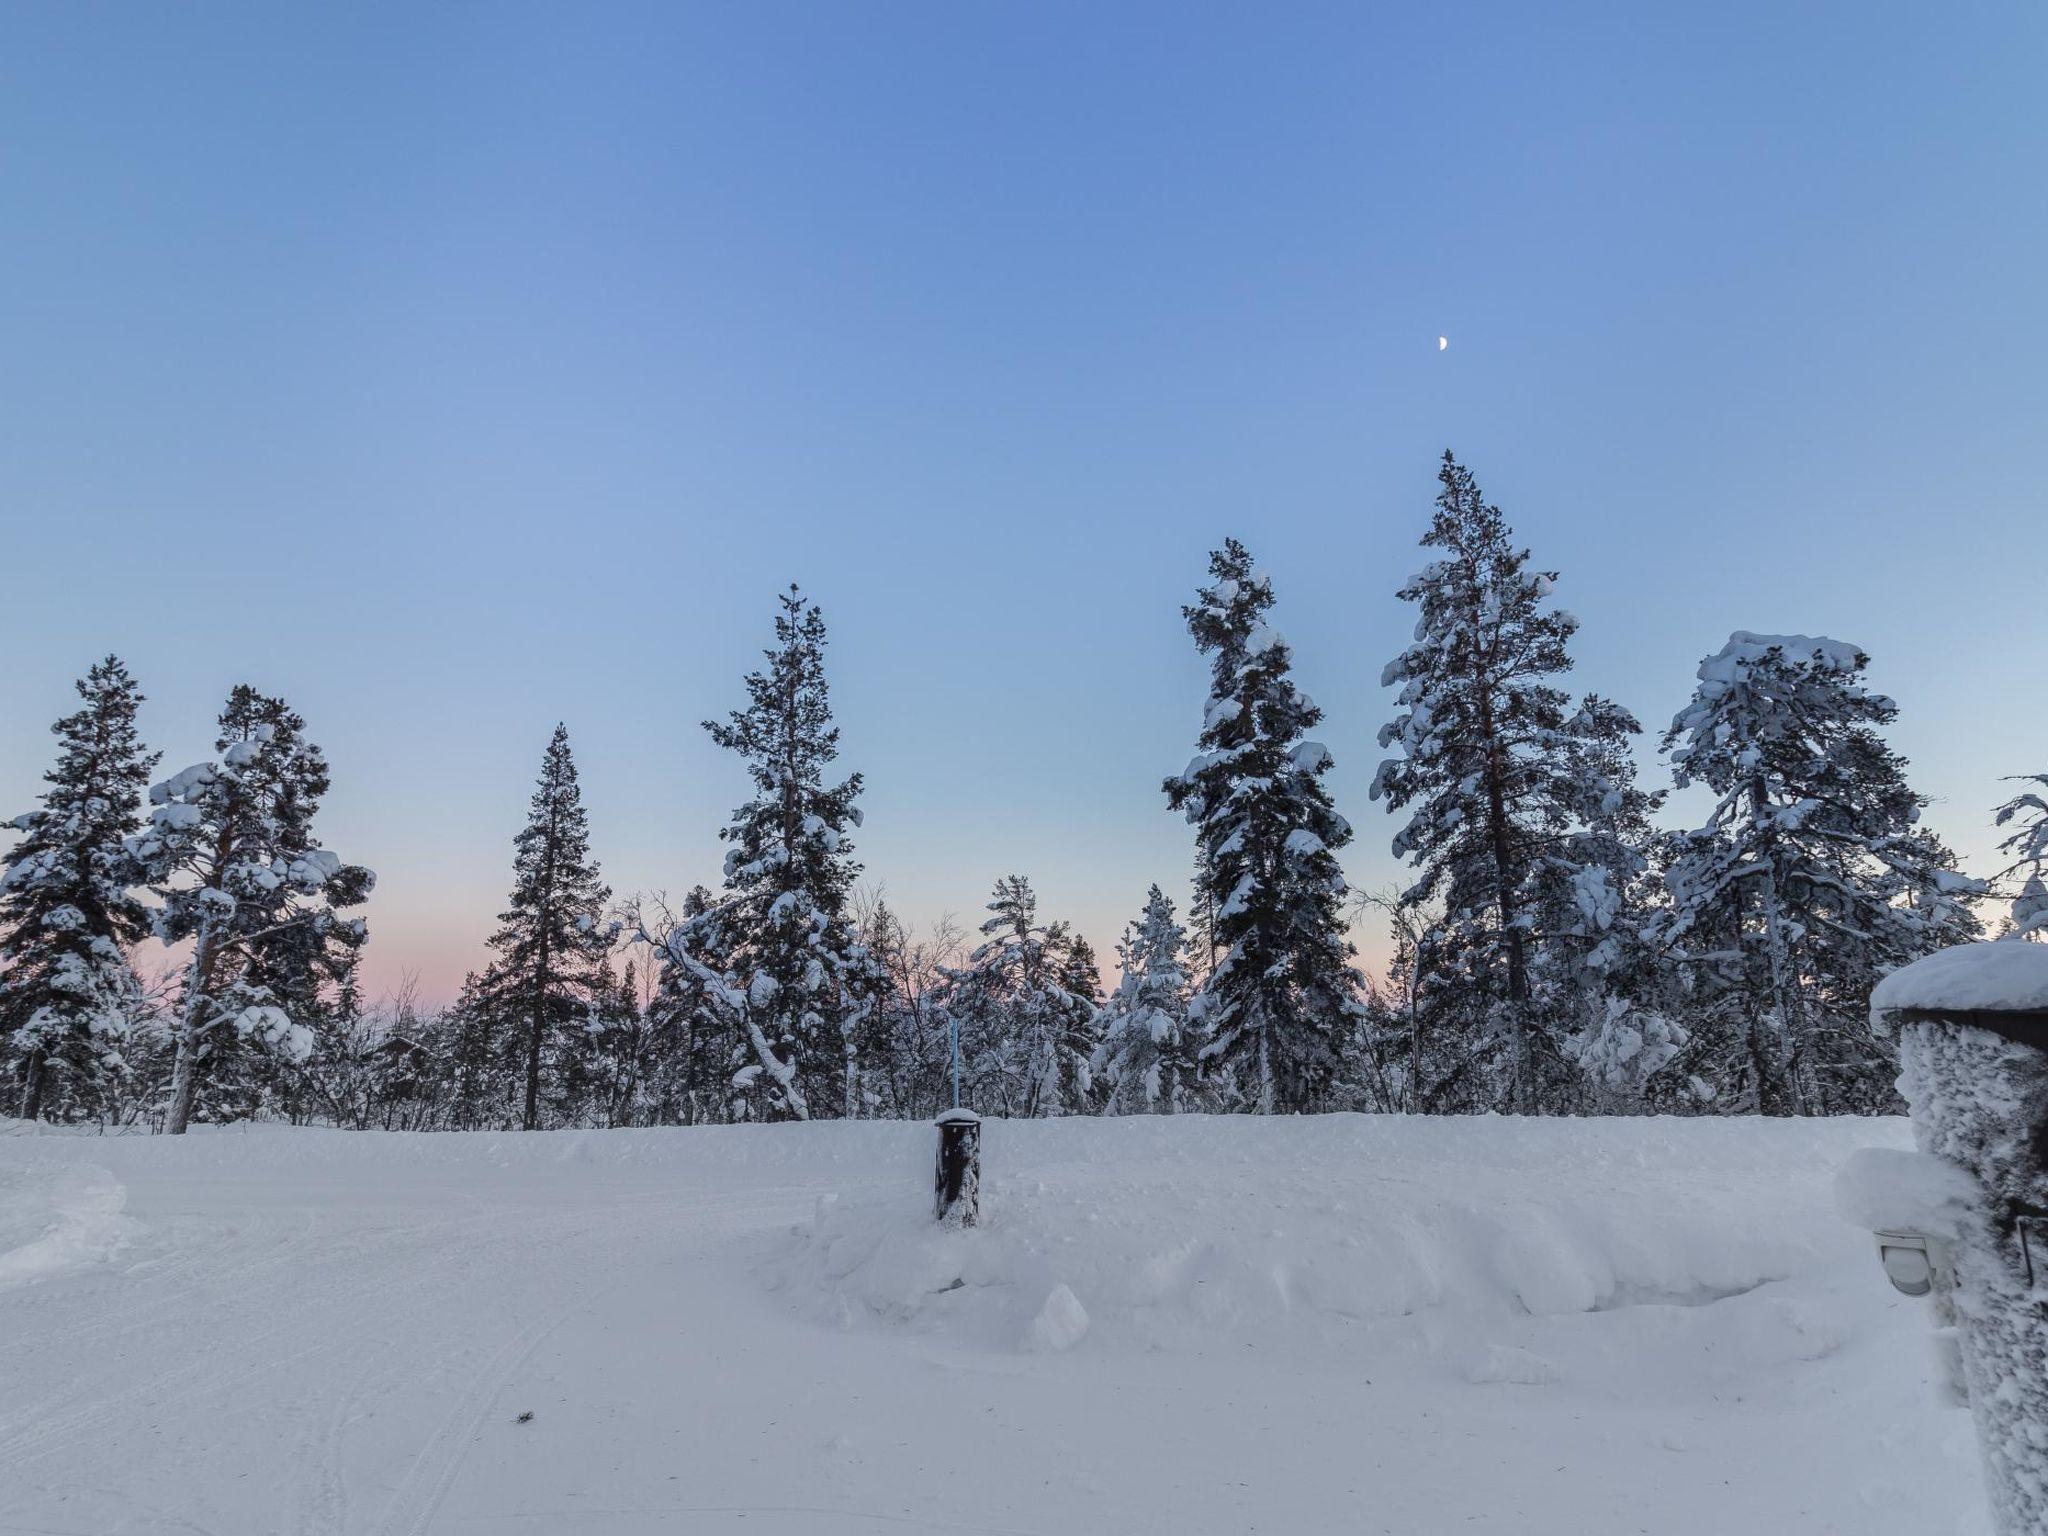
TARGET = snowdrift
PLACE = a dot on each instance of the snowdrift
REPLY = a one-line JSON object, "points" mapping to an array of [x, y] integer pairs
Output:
{"points": [[1152, 1233], [1193, 1327], [56, 1217]]}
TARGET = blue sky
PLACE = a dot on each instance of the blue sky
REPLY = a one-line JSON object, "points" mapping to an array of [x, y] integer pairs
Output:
{"points": [[454, 370]]}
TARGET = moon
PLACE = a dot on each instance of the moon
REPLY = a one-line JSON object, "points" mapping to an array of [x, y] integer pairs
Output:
{"points": [[1442, 342]]}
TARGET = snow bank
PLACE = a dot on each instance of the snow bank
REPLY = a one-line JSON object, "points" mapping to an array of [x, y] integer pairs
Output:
{"points": [[1191, 1326], [55, 1217], [1995, 976], [1150, 1234]]}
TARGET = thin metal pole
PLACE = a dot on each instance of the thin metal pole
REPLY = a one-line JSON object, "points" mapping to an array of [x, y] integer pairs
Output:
{"points": [[953, 1042]]}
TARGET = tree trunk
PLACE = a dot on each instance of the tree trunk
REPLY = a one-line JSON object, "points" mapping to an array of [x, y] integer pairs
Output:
{"points": [[32, 1085], [185, 1075], [1504, 900], [542, 975], [533, 1029], [1414, 1040], [1777, 1094]]}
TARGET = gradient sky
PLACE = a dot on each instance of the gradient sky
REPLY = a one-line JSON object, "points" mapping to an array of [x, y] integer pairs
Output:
{"points": [[452, 370]]}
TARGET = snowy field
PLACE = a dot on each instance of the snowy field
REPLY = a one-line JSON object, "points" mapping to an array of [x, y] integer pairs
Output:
{"points": [[1298, 1326]]}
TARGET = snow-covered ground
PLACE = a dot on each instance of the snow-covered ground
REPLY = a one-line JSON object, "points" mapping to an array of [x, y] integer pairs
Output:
{"points": [[1339, 1324]]}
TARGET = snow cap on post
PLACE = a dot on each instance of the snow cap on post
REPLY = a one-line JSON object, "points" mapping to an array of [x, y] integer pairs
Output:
{"points": [[2000, 985]]}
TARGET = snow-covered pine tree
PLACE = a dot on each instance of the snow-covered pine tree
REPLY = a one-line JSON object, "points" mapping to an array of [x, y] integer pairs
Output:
{"points": [[792, 978], [706, 1043], [2027, 814], [1491, 757], [231, 853], [1811, 877], [1146, 1063], [552, 937], [67, 911], [1281, 1003], [1025, 1007]]}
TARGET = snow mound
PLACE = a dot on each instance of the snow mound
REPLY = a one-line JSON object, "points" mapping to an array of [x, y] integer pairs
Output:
{"points": [[1886, 1189], [1174, 1234], [56, 1217], [2000, 975], [1060, 1324]]}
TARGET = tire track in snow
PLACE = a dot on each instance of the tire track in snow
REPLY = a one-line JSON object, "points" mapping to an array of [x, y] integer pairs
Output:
{"points": [[432, 1474], [103, 1396], [93, 1405], [320, 1497]]}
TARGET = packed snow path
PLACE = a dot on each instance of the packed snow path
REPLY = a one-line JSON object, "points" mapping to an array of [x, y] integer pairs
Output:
{"points": [[1331, 1325]]}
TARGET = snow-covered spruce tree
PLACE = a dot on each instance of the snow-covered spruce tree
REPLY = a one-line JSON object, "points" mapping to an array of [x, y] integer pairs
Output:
{"points": [[1281, 1003], [1025, 1007], [231, 853], [1810, 878], [1146, 1063], [1599, 977], [67, 911], [473, 1061], [552, 937], [339, 1077], [595, 1067], [1493, 758], [1080, 977], [793, 980], [2027, 814], [619, 1071]]}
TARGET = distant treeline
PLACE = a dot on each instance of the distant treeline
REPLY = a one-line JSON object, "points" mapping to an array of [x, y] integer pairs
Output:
{"points": [[1557, 951]]}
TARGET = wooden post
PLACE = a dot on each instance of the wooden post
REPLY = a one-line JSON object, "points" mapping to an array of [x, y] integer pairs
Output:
{"points": [[956, 1183]]}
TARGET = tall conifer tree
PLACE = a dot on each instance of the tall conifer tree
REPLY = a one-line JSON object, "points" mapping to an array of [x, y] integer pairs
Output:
{"points": [[551, 939], [1812, 875], [67, 911], [1025, 1005], [1282, 1002], [780, 958], [231, 851], [1495, 762], [1146, 1061]]}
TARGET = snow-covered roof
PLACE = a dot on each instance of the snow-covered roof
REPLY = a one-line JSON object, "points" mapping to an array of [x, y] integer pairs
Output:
{"points": [[2002, 976]]}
